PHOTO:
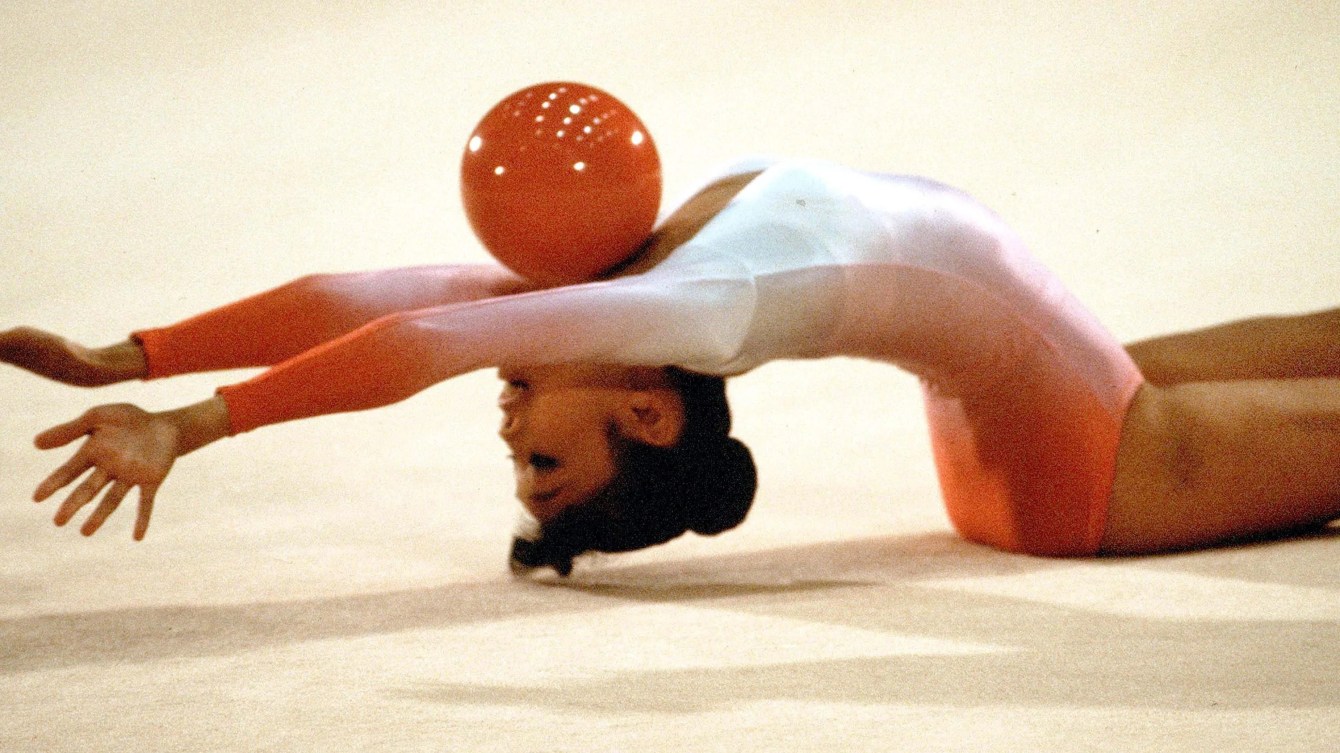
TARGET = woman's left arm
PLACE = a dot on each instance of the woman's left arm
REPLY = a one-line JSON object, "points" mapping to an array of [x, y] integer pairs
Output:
{"points": [[695, 319]]}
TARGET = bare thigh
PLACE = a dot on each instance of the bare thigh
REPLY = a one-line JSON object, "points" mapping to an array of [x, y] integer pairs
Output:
{"points": [[1205, 463]]}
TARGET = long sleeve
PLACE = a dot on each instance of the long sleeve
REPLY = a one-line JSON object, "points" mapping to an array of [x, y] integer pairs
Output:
{"points": [[278, 324], [695, 315]]}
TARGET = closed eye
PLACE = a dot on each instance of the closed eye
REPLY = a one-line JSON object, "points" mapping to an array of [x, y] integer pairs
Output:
{"points": [[543, 463]]}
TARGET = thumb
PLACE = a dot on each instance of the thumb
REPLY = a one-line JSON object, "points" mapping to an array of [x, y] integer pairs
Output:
{"points": [[59, 436]]}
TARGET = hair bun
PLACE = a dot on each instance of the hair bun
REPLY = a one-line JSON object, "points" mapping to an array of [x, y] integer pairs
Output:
{"points": [[528, 555], [726, 482]]}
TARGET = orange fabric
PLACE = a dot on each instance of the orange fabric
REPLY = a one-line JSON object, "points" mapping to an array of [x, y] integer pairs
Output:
{"points": [[640, 320], [1025, 443], [279, 324], [297, 321], [375, 365], [1033, 477]]}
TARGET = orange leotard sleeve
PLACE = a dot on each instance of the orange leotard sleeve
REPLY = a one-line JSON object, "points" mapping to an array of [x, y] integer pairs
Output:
{"points": [[278, 324], [690, 317]]}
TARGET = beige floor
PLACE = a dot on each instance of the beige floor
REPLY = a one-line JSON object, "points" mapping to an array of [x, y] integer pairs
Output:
{"points": [[340, 584]]}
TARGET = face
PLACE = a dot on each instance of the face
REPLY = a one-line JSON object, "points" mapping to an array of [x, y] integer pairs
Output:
{"points": [[557, 422]]}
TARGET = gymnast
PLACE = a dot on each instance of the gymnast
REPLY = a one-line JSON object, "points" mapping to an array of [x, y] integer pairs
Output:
{"points": [[1049, 437]]}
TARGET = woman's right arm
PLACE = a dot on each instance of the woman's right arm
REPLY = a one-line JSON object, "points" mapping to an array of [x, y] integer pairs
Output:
{"points": [[277, 325], [261, 330]]}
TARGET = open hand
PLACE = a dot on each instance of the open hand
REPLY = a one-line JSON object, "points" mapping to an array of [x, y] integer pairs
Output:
{"points": [[125, 447], [56, 358]]}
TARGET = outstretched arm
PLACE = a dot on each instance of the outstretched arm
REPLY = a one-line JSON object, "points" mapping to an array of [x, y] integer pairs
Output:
{"points": [[1284, 347], [279, 324], [696, 318], [125, 447], [261, 330]]}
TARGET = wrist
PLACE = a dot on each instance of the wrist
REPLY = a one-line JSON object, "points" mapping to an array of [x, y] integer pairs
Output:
{"points": [[200, 424], [125, 360]]}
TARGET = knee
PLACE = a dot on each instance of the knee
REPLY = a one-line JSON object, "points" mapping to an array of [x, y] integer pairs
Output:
{"points": [[330, 291]]}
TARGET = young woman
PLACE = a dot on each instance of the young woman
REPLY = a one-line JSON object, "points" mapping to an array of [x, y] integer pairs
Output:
{"points": [[1050, 438]]}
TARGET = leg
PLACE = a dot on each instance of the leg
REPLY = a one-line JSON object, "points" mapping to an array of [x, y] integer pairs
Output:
{"points": [[1205, 463], [1286, 347]]}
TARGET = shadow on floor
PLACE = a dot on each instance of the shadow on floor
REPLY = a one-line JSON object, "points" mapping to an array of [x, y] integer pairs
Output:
{"points": [[1054, 654]]}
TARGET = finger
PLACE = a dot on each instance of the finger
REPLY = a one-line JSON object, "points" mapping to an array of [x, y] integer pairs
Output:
{"points": [[59, 436], [82, 495], [59, 478], [110, 501], [147, 494]]}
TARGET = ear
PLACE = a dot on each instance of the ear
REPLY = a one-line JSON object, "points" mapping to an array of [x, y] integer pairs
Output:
{"points": [[654, 417]]}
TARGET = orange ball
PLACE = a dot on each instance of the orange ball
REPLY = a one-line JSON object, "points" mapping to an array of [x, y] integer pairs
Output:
{"points": [[561, 182]]}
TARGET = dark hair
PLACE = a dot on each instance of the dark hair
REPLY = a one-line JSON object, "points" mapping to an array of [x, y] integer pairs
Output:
{"points": [[704, 483]]}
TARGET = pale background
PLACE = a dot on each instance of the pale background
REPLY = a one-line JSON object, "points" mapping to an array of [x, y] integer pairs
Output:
{"points": [[339, 584]]}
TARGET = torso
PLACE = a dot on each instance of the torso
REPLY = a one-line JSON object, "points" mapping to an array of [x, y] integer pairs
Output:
{"points": [[1026, 392]]}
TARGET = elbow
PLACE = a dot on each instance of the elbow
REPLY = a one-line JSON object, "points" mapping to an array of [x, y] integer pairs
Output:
{"points": [[315, 291], [322, 284]]}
